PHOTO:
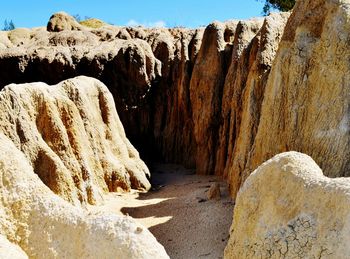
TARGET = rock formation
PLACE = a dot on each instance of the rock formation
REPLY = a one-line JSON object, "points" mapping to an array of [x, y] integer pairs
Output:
{"points": [[71, 135], [223, 99], [61, 22], [170, 85], [244, 92], [287, 208], [306, 103], [206, 85], [214, 192], [205, 97], [35, 222]]}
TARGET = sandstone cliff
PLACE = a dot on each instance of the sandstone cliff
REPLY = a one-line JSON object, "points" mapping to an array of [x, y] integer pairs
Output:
{"points": [[287, 208], [306, 103], [71, 135], [36, 223], [223, 99], [172, 87], [244, 94], [205, 97]]}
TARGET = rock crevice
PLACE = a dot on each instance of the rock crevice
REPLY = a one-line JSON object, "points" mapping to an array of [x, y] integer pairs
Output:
{"points": [[222, 99]]}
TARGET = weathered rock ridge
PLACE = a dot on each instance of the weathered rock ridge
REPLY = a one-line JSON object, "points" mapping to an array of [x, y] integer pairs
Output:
{"points": [[287, 208], [71, 135], [307, 98], [36, 223], [173, 87]]}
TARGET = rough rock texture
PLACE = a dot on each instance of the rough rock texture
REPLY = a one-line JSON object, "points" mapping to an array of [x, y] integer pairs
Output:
{"points": [[244, 92], [173, 88], [287, 208], [46, 226], [306, 102], [164, 118], [71, 135], [234, 82], [214, 192], [206, 85], [62, 21], [205, 97]]}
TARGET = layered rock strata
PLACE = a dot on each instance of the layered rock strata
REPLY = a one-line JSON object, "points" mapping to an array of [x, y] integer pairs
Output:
{"points": [[287, 208], [71, 135]]}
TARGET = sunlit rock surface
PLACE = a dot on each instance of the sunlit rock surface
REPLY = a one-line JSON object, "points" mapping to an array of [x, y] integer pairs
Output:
{"points": [[287, 208], [44, 225], [71, 135]]}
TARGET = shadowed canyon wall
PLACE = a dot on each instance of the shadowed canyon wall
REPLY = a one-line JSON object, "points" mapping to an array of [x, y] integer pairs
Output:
{"points": [[202, 97]]}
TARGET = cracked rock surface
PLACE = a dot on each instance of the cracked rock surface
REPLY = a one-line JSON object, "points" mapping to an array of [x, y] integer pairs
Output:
{"points": [[287, 208]]}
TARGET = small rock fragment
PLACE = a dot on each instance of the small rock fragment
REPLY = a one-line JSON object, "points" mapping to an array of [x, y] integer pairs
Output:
{"points": [[214, 192]]}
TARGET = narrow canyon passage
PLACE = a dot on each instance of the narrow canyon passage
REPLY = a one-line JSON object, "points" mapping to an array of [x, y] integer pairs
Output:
{"points": [[178, 213]]}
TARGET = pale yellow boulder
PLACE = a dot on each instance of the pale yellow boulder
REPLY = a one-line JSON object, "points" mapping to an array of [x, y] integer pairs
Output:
{"points": [[287, 208]]}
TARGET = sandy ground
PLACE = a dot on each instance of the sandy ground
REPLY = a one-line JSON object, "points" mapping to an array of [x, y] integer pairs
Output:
{"points": [[178, 212]]}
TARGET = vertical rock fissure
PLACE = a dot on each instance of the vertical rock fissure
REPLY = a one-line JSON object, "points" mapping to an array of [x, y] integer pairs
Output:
{"points": [[183, 95]]}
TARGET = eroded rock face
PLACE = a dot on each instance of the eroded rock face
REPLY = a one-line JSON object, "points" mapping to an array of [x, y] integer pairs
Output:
{"points": [[205, 98], [244, 92], [306, 102], [173, 87], [35, 222], [62, 21], [206, 85], [71, 135], [287, 208]]}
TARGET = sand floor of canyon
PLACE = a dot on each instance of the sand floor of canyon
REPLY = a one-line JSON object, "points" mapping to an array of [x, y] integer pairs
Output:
{"points": [[178, 212]]}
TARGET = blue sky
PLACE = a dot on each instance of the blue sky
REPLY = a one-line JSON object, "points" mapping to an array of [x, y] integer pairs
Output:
{"points": [[32, 13]]}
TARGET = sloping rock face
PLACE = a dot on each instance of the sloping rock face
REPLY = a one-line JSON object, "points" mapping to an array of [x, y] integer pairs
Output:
{"points": [[36, 223], [71, 135], [287, 208], [306, 102], [9, 250], [180, 93]]}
